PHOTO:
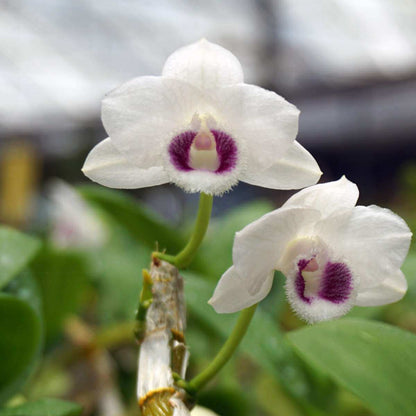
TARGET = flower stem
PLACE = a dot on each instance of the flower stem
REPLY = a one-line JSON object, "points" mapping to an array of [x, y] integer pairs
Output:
{"points": [[146, 299], [185, 257], [225, 352]]}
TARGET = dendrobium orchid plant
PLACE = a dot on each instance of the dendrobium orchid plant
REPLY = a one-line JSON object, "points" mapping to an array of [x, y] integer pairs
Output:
{"points": [[199, 126]]}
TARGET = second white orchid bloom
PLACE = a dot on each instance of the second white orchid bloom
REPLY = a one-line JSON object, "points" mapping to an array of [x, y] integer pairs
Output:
{"points": [[334, 255], [201, 127]]}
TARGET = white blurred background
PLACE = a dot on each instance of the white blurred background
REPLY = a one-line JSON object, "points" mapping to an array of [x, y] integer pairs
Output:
{"points": [[349, 65]]}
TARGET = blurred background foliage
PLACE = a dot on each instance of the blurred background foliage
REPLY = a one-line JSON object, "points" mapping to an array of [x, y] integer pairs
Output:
{"points": [[67, 311], [71, 258]]}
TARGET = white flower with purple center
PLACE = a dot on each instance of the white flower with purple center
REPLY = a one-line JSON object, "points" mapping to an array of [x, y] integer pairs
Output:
{"points": [[201, 127], [333, 254]]}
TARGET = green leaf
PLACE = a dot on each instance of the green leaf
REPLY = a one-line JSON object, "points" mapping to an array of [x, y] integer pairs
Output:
{"points": [[272, 399], [142, 224], [409, 270], [16, 251], [62, 279], [375, 361], [118, 270], [25, 287], [43, 407], [226, 401], [20, 342]]}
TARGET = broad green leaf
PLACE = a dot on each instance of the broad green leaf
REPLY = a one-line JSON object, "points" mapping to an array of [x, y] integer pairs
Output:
{"points": [[118, 275], [264, 342], [144, 225], [403, 313], [409, 270], [62, 278], [375, 361], [20, 342], [226, 401], [43, 407], [16, 251], [216, 251], [25, 287], [272, 399], [146, 228]]}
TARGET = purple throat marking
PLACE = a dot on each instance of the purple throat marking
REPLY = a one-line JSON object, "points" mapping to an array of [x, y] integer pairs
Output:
{"points": [[335, 286], [300, 281], [180, 146]]}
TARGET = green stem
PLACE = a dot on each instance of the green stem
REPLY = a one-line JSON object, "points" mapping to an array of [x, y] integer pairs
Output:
{"points": [[146, 298], [185, 257], [225, 352]]}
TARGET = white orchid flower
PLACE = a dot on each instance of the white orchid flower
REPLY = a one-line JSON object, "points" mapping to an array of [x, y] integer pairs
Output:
{"points": [[73, 222], [201, 127], [334, 255]]}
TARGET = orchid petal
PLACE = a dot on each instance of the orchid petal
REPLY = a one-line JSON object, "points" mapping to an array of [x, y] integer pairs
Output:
{"points": [[107, 166], [373, 241], [296, 169], [263, 120], [389, 290], [142, 115], [259, 246], [205, 65], [328, 198], [231, 294]]}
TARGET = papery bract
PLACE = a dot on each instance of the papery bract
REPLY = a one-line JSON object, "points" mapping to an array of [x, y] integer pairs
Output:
{"points": [[201, 127], [334, 255]]}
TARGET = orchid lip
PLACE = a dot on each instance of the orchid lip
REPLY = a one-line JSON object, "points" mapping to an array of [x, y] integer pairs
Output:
{"points": [[206, 150], [315, 273], [332, 283]]}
